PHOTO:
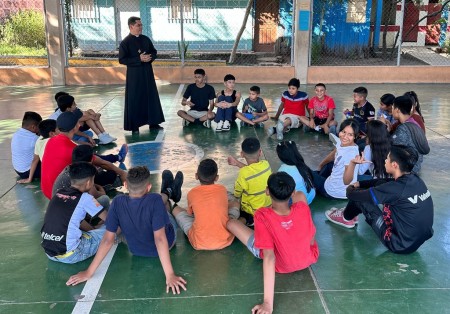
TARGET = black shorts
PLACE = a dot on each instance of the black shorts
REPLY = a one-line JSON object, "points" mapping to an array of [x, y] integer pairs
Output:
{"points": [[319, 121]]}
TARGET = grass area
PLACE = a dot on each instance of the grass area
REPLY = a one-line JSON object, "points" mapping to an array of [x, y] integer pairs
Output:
{"points": [[17, 50]]}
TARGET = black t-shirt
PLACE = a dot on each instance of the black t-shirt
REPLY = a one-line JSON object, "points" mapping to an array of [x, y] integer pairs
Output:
{"points": [[407, 210], [200, 97], [363, 114], [61, 230]]}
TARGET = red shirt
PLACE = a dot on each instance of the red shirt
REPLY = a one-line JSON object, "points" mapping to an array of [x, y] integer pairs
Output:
{"points": [[295, 104], [288, 236], [321, 107], [57, 155]]}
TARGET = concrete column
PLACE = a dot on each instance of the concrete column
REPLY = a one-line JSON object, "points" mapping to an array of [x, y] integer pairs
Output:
{"points": [[303, 17], [54, 23]]}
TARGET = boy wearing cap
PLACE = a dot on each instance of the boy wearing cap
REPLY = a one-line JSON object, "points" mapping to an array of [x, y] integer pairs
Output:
{"points": [[58, 152], [89, 120]]}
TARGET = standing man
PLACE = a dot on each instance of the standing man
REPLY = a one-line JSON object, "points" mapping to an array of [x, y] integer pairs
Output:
{"points": [[142, 104]]}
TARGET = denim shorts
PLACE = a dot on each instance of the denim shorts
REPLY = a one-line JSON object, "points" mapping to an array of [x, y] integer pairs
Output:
{"points": [[251, 247], [82, 138], [88, 246]]}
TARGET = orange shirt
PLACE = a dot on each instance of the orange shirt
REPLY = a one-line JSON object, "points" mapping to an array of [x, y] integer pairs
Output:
{"points": [[209, 205]]}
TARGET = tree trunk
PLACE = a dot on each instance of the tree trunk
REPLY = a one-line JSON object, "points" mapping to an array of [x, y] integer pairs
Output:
{"points": [[241, 31]]}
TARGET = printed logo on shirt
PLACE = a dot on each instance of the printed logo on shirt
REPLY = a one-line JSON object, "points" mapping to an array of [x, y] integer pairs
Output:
{"points": [[51, 237], [422, 197], [66, 197], [287, 224]]}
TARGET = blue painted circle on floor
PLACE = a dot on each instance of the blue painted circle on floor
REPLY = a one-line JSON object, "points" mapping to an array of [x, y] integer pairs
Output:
{"points": [[158, 156]]}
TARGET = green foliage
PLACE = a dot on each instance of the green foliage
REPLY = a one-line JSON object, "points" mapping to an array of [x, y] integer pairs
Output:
{"points": [[184, 46], [7, 50], [316, 50], [25, 28], [72, 41]]}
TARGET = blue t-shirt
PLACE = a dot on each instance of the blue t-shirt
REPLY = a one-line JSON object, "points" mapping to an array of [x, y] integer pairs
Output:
{"points": [[299, 182], [139, 218]]}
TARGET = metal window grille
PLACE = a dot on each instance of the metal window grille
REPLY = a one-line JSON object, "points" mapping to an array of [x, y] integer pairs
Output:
{"points": [[187, 10], [85, 10]]}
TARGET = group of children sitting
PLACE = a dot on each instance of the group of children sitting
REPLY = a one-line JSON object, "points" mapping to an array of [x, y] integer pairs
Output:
{"points": [[374, 163]]}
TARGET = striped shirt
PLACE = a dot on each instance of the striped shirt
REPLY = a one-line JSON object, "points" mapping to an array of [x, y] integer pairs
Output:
{"points": [[296, 104], [251, 186]]}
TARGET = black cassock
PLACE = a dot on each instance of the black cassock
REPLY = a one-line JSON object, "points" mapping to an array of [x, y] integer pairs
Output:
{"points": [[142, 104]]}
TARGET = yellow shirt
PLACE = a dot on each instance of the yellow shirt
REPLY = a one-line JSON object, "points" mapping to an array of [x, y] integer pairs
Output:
{"points": [[251, 185]]}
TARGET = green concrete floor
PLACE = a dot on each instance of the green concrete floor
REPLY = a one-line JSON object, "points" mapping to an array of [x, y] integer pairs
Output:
{"points": [[354, 274]]}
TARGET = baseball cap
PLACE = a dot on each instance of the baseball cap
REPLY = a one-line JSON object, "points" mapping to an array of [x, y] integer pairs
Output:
{"points": [[68, 120]]}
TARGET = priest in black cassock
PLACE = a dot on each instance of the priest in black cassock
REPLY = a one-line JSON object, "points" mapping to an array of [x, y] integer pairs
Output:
{"points": [[142, 104]]}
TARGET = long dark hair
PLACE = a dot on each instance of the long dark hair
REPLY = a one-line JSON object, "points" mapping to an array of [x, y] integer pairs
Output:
{"points": [[416, 105], [378, 137], [288, 153]]}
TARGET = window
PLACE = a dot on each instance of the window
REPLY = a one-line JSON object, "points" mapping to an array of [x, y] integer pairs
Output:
{"points": [[185, 10], [85, 10], [356, 12]]}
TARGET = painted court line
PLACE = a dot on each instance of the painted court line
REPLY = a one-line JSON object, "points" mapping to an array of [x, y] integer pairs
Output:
{"points": [[6, 303], [93, 285], [319, 291]]}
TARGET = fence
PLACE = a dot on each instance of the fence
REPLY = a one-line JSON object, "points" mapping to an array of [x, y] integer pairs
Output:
{"points": [[380, 32], [260, 32], [183, 31]]}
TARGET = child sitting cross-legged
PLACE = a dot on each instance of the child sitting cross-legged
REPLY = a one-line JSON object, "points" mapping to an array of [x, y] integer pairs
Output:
{"points": [[205, 219], [146, 224], [283, 236], [252, 179]]}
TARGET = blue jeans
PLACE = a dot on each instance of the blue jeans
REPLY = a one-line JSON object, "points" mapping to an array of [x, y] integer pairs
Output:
{"points": [[319, 178], [90, 241], [228, 114], [81, 138]]}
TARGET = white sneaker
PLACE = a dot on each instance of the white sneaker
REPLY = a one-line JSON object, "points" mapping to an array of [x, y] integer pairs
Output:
{"points": [[226, 126], [219, 126], [185, 122], [280, 129], [104, 139], [111, 137], [280, 136], [207, 123], [270, 131]]}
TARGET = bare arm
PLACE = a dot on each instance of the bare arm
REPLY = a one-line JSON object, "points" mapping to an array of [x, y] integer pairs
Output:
{"points": [[279, 111], [172, 281], [328, 158], [103, 249], [33, 167], [232, 161], [269, 284]]}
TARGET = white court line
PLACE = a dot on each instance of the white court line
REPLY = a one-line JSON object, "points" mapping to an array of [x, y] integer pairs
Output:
{"points": [[93, 285], [319, 291]]}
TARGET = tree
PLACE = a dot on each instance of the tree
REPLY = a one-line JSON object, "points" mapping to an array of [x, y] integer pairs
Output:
{"points": [[241, 31], [72, 40]]}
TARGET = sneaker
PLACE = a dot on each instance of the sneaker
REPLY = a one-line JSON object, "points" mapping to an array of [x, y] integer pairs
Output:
{"points": [[122, 153], [167, 183], [219, 126], [104, 139], [355, 220], [116, 184], [122, 166], [271, 131], [226, 126], [185, 122], [337, 216], [113, 139], [176, 186], [259, 125], [207, 123]]}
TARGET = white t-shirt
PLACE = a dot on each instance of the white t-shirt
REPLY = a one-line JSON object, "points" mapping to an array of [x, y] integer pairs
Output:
{"points": [[55, 114], [366, 166], [39, 148], [334, 184], [22, 149]]}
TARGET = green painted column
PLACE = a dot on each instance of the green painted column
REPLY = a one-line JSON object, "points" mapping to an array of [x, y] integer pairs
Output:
{"points": [[302, 35], [54, 24]]}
